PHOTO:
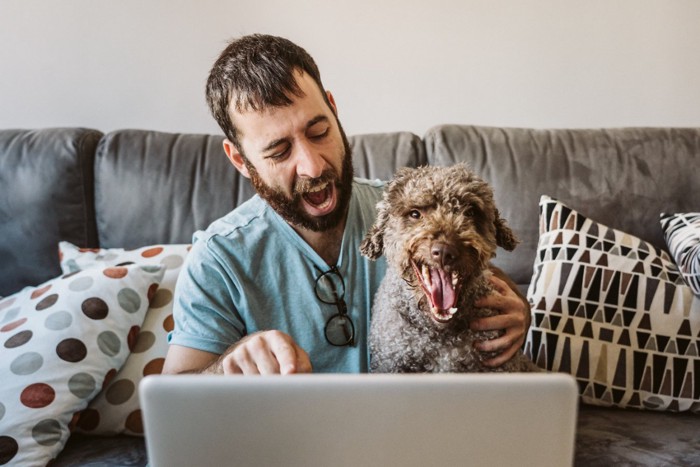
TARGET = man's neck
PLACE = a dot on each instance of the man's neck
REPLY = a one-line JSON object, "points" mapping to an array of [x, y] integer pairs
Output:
{"points": [[327, 243]]}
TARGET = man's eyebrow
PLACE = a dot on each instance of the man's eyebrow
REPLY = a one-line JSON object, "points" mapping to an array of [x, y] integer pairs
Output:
{"points": [[315, 120]]}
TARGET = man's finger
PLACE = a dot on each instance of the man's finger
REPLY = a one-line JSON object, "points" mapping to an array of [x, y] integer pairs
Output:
{"points": [[506, 342], [261, 356], [501, 358], [229, 367], [239, 362], [499, 301], [495, 323], [284, 352], [266, 352], [499, 284], [492, 300], [303, 361]]}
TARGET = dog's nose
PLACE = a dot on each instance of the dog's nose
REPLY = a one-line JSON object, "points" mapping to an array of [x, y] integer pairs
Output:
{"points": [[443, 253]]}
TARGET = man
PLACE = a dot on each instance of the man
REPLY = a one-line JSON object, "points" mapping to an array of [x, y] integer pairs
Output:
{"points": [[278, 285]]}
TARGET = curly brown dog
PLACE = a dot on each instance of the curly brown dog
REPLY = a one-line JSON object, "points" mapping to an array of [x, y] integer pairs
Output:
{"points": [[439, 229]]}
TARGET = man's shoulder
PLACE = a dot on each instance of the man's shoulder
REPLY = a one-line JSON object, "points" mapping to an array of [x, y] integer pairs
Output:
{"points": [[368, 189], [235, 223], [367, 184]]}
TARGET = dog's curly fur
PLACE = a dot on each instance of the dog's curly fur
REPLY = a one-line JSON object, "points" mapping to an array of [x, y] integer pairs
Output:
{"points": [[439, 229]]}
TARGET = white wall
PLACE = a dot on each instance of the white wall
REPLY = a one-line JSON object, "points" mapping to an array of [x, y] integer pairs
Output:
{"points": [[391, 64]]}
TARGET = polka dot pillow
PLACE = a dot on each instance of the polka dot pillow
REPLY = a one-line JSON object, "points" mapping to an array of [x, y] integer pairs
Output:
{"points": [[60, 343], [682, 233], [116, 409]]}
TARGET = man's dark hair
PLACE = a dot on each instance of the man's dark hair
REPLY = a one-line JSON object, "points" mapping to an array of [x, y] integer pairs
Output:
{"points": [[255, 72]]}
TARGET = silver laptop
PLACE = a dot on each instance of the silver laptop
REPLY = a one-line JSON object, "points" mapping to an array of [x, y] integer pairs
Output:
{"points": [[360, 420]]}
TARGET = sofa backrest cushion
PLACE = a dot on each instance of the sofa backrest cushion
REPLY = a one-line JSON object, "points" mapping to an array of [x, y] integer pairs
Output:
{"points": [[158, 188], [46, 184], [380, 155], [623, 178]]}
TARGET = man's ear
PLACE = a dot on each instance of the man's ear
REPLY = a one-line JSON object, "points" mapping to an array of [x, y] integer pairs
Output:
{"points": [[236, 158], [331, 101]]}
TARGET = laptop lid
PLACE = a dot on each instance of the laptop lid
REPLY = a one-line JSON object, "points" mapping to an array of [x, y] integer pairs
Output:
{"points": [[360, 420]]}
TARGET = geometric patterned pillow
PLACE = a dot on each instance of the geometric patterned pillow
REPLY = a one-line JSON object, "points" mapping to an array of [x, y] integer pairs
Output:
{"points": [[60, 343], [116, 408], [682, 233], [613, 311]]}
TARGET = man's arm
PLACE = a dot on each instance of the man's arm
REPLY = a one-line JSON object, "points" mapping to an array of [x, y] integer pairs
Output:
{"points": [[513, 319], [204, 289], [266, 352], [182, 359]]}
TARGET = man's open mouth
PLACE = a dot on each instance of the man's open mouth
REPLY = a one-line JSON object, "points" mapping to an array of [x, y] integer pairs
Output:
{"points": [[441, 288], [320, 200]]}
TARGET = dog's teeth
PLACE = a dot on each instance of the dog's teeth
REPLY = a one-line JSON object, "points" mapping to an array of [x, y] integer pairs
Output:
{"points": [[454, 279], [452, 311], [426, 274]]}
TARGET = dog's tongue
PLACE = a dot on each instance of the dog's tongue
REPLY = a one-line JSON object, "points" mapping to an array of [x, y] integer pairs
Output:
{"points": [[442, 293]]}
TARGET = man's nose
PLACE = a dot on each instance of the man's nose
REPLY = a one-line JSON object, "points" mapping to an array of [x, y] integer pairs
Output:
{"points": [[310, 163]]}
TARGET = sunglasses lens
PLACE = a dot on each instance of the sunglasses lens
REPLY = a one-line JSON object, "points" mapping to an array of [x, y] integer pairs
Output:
{"points": [[329, 287], [340, 330]]}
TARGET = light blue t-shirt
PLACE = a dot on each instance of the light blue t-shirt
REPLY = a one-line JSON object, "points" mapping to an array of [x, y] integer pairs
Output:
{"points": [[250, 271]]}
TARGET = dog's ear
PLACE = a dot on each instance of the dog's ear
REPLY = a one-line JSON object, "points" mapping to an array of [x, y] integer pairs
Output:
{"points": [[505, 238], [373, 244]]}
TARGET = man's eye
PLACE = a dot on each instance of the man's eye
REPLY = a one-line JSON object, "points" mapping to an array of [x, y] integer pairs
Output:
{"points": [[279, 155], [319, 135]]}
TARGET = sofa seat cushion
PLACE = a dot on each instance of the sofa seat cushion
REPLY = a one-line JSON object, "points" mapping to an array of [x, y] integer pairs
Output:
{"points": [[603, 437], [610, 436], [111, 451]]}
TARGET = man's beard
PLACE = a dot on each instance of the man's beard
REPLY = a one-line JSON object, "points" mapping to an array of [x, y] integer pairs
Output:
{"points": [[291, 209]]}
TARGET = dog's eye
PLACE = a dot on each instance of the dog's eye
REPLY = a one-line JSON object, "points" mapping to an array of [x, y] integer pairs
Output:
{"points": [[414, 214], [469, 211]]}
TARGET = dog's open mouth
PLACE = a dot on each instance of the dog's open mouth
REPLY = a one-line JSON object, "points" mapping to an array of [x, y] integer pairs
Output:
{"points": [[441, 289]]}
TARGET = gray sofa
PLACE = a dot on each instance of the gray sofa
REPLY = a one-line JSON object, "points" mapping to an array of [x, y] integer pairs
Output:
{"points": [[133, 188]]}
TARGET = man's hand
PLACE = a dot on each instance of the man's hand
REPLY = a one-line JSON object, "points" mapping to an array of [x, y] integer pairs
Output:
{"points": [[513, 320], [263, 353]]}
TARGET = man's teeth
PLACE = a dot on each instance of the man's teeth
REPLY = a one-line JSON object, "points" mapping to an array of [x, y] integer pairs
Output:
{"points": [[319, 196], [318, 188]]}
